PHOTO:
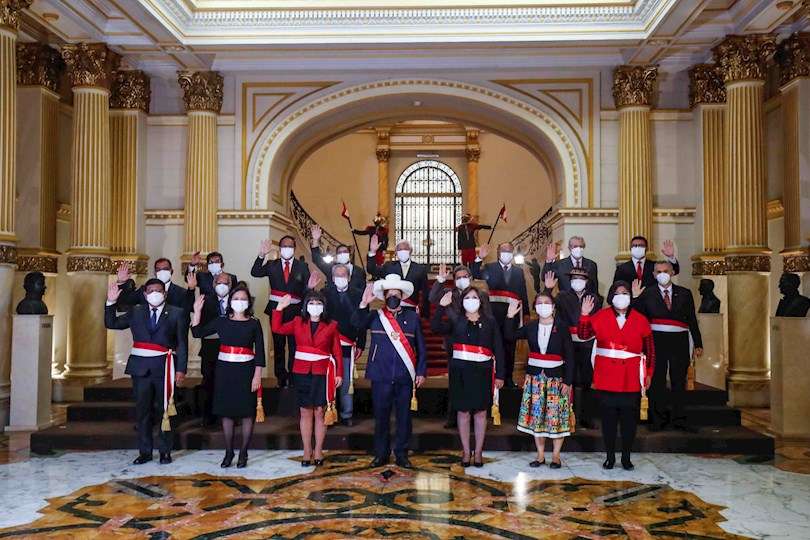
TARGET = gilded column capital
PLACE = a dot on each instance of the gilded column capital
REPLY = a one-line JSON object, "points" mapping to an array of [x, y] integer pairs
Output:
{"points": [[10, 12], [383, 154], [634, 85], [90, 64], [202, 90], [473, 153], [706, 85], [793, 57], [130, 90], [8, 254], [383, 135], [39, 65], [743, 58]]}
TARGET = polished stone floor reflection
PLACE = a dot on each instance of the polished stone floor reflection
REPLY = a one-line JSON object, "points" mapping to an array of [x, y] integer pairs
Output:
{"points": [[97, 495]]}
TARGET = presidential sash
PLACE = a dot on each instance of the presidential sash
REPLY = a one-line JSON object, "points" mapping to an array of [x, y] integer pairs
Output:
{"points": [[353, 355], [151, 350], [403, 347], [277, 296]]}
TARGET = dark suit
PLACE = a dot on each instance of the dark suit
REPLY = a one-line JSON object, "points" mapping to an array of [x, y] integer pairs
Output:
{"points": [[148, 372], [626, 271], [417, 274], [209, 350], [296, 285], [561, 269], [176, 295], [205, 282], [513, 281], [340, 307], [357, 277], [671, 350]]}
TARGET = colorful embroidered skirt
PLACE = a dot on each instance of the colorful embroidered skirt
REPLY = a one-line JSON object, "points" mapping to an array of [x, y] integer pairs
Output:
{"points": [[546, 409]]}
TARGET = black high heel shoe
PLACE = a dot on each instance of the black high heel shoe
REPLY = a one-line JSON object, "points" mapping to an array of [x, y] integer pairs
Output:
{"points": [[465, 464], [227, 460], [241, 463], [609, 463], [478, 464], [318, 462]]}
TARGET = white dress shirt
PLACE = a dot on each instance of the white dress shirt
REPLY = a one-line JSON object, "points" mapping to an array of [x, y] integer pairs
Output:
{"points": [[543, 335]]}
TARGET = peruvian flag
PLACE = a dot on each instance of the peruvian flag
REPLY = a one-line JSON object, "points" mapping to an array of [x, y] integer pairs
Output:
{"points": [[502, 214], [344, 212]]}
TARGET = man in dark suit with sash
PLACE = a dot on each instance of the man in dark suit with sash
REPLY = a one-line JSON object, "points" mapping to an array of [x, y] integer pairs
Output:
{"points": [[343, 256], [406, 268], [639, 270], [181, 296]]}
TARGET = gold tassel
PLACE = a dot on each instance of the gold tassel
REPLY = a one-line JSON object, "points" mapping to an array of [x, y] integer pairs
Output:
{"points": [[645, 405], [690, 377], [165, 425], [414, 403], [171, 409], [496, 414], [259, 411], [330, 416]]}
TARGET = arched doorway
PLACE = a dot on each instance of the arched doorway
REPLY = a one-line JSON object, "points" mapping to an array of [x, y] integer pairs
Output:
{"points": [[427, 208]]}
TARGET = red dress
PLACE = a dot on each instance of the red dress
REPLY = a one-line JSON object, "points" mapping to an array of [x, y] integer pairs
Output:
{"points": [[326, 340]]}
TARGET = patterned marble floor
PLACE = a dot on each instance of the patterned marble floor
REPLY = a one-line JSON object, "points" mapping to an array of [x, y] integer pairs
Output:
{"points": [[99, 495]]}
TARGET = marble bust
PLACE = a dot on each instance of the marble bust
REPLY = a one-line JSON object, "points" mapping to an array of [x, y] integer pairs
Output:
{"points": [[32, 304], [792, 303], [709, 302]]}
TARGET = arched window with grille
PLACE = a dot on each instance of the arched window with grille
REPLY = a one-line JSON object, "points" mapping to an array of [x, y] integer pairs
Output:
{"points": [[427, 210]]}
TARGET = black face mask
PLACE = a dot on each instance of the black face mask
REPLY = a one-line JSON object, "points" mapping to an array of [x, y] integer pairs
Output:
{"points": [[392, 302]]}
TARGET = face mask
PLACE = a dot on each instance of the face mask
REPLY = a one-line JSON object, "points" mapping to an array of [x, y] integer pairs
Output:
{"points": [[621, 301], [342, 258], [164, 275], [155, 298], [578, 284], [505, 257], [462, 283], [638, 252], [403, 255], [215, 268], [577, 252], [287, 253], [341, 282], [222, 289], [392, 302], [471, 305], [663, 278], [314, 310], [239, 306], [544, 310]]}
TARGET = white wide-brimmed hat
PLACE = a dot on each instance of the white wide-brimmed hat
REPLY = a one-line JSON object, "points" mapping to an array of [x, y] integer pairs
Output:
{"points": [[392, 281]]}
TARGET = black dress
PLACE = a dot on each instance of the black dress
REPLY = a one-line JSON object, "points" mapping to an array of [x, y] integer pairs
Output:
{"points": [[232, 395], [471, 382]]}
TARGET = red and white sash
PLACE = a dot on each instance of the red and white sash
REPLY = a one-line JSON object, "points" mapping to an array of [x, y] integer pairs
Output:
{"points": [[574, 331], [399, 341], [151, 350], [312, 354], [471, 353], [228, 353], [347, 342], [507, 297], [277, 296], [547, 361], [616, 353], [673, 326], [409, 303]]}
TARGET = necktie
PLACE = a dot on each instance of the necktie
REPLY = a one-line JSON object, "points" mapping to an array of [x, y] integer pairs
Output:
{"points": [[153, 320], [286, 271], [667, 299], [639, 270], [506, 274], [222, 307]]}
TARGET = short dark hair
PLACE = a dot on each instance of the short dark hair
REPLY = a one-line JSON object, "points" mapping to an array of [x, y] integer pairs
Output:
{"points": [[241, 286], [664, 261], [154, 281], [342, 246], [639, 237], [486, 308], [461, 268], [280, 240], [212, 255], [315, 295], [792, 280], [616, 285], [545, 293], [160, 260]]}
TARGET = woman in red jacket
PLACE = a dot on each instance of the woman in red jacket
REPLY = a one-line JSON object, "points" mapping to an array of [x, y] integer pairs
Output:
{"points": [[318, 361], [624, 359]]}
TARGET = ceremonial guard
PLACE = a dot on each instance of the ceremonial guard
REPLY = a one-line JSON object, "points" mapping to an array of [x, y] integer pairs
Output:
{"points": [[343, 256], [476, 365], [156, 362], [409, 270], [670, 309], [507, 285], [624, 361], [467, 239], [176, 295], [215, 265], [638, 271], [317, 370], [546, 407], [562, 267], [378, 229], [397, 364], [287, 276], [214, 306], [237, 387]]}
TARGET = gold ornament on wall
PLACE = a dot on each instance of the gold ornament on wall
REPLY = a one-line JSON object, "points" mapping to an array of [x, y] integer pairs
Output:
{"points": [[793, 57], [89, 264], [706, 85], [8, 254], [10, 12], [473, 153], [39, 65], [90, 64], [130, 90], [748, 263], [634, 85], [37, 263], [383, 154], [202, 90], [709, 268], [743, 58]]}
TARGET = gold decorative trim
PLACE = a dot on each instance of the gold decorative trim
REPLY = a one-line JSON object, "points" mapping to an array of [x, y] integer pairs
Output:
{"points": [[775, 209], [131, 90], [39, 65], [706, 85], [473, 153], [634, 85], [748, 263], [164, 214], [796, 263], [47, 264], [85, 263], [742, 58], [10, 12], [202, 90], [137, 266], [64, 212], [90, 64], [383, 154], [709, 267], [8, 254], [793, 57]]}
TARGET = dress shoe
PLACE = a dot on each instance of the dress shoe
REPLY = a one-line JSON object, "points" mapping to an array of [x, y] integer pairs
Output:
{"points": [[379, 462], [241, 463], [404, 462], [478, 464], [306, 463], [555, 465], [348, 422], [627, 465], [537, 463], [318, 462], [609, 463], [165, 459], [143, 458], [465, 463], [227, 460]]}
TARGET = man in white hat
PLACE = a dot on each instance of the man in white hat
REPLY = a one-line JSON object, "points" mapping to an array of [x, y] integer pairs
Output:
{"points": [[397, 364]]}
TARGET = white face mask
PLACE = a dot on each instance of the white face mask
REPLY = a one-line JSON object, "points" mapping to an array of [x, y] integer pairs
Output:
{"points": [[621, 301], [222, 289], [215, 268], [341, 282], [544, 310], [239, 306], [638, 252], [315, 310], [577, 252], [155, 298], [578, 284], [404, 255], [164, 275], [462, 283], [663, 278], [342, 258], [287, 253], [471, 305], [505, 257]]}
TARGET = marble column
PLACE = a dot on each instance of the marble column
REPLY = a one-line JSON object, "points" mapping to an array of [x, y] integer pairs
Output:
{"points": [[90, 69], [383, 151], [794, 70], [9, 22], [202, 94], [633, 93], [473, 152], [742, 60]]}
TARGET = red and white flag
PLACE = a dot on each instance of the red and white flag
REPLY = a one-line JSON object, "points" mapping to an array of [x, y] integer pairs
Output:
{"points": [[502, 214], [344, 212]]}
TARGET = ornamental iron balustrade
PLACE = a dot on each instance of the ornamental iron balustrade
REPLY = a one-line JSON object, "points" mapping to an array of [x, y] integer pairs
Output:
{"points": [[535, 238], [304, 222]]}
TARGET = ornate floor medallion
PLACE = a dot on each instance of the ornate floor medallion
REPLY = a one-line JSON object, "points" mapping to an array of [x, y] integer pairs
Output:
{"points": [[345, 499]]}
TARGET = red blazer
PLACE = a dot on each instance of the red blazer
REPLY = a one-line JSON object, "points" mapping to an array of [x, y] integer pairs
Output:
{"points": [[326, 340], [619, 375]]}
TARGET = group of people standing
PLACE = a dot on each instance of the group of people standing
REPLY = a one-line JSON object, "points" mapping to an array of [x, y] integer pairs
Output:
{"points": [[578, 351]]}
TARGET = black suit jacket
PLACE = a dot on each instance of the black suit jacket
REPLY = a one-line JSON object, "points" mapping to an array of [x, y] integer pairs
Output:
{"points": [[171, 332], [562, 267], [341, 307], [274, 272], [356, 279], [651, 304], [626, 271], [205, 281], [417, 274], [559, 343], [178, 296], [570, 306], [496, 278]]}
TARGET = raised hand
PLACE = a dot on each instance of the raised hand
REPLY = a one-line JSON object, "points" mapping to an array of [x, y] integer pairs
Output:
{"points": [[443, 273], [447, 299], [191, 280], [483, 251], [587, 305], [637, 288], [368, 295], [314, 279], [123, 272], [195, 259], [316, 232], [264, 248], [514, 308], [668, 249], [113, 292], [198, 304], [552, 251], [273, 253], [284, 303], [374, 243], [550, 280]]}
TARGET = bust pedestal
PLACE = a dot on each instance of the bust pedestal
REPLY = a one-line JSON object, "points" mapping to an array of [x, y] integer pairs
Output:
{"points": [[711, 368], [790, 377], [31, 358]]}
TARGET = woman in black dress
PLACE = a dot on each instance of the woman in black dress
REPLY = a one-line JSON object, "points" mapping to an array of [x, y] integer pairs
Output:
{"points": [[476, 345], [238, 372]]}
